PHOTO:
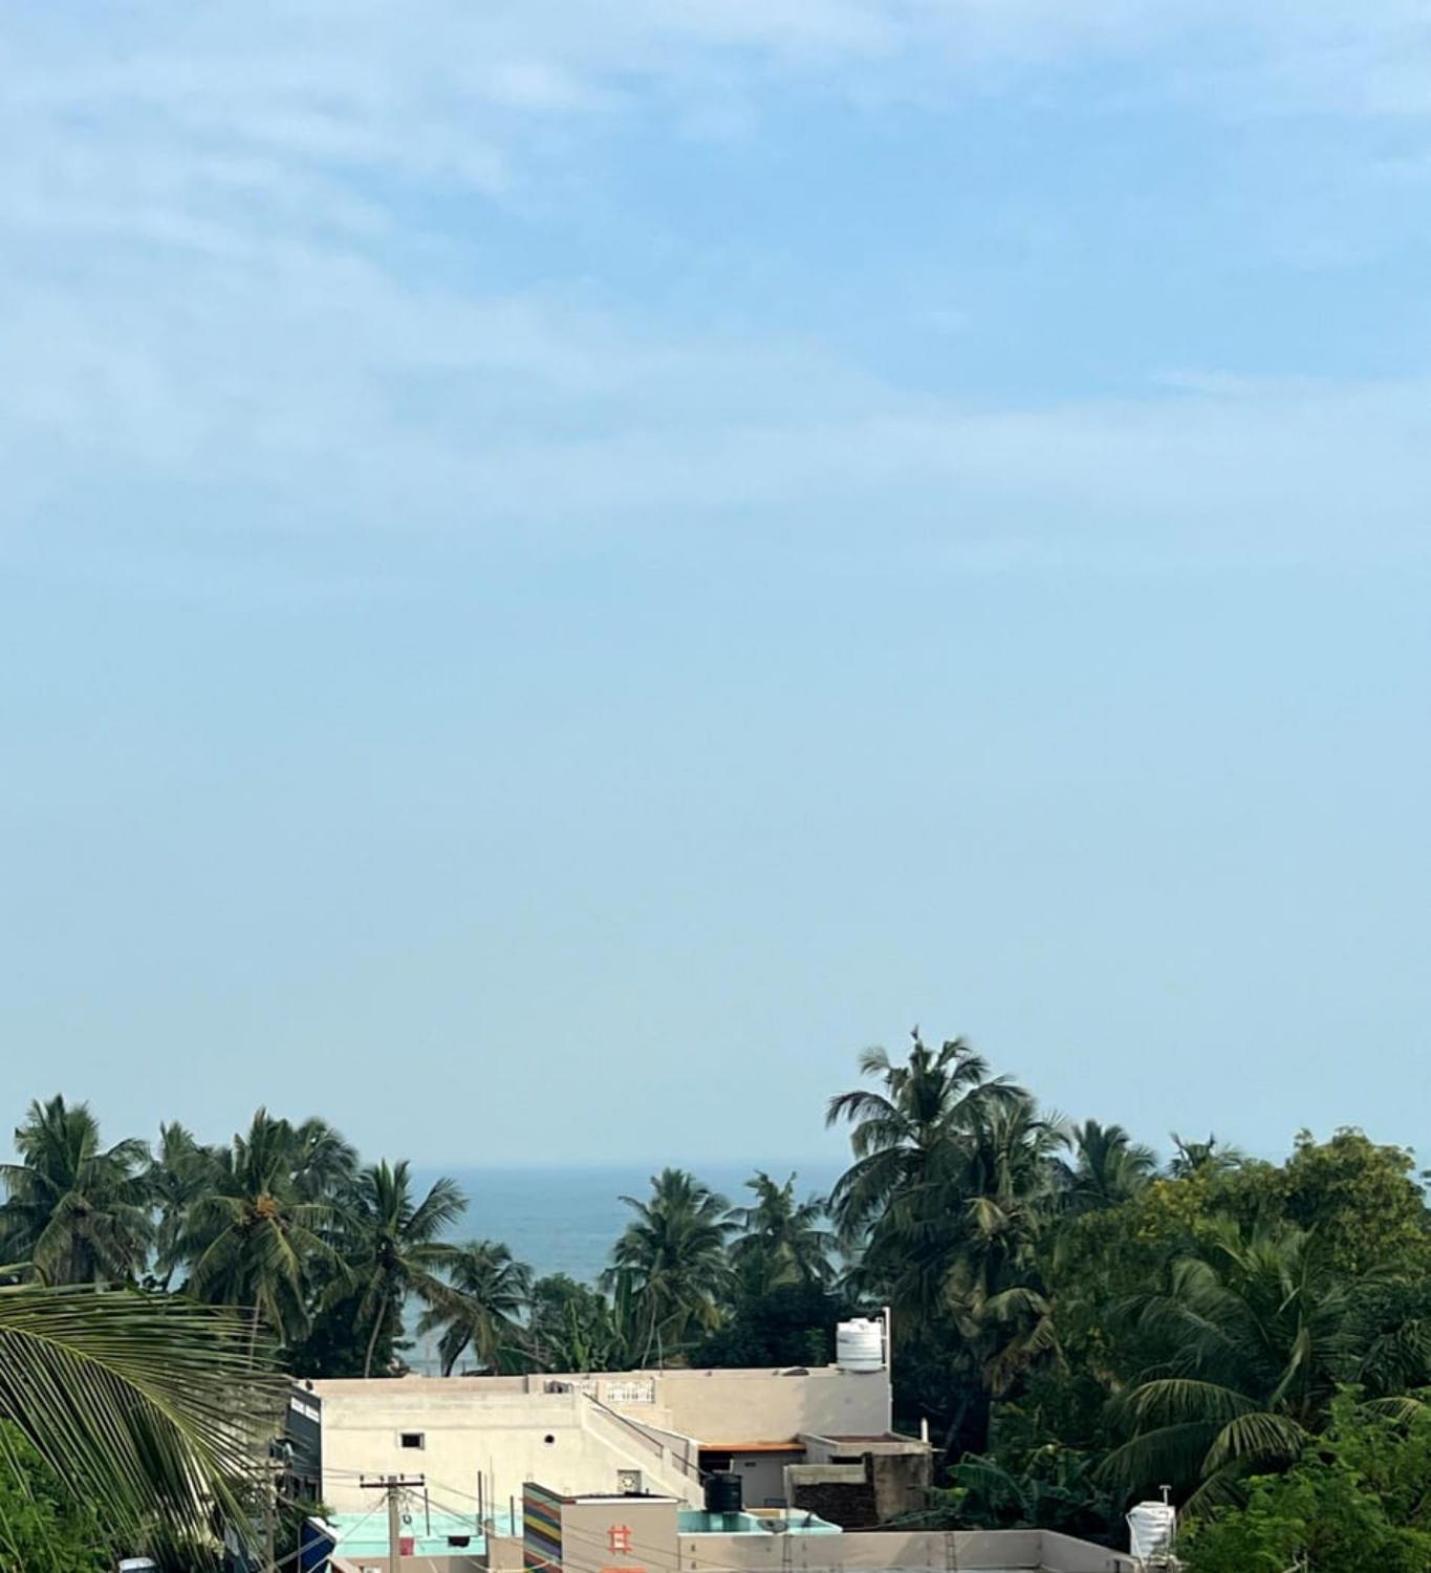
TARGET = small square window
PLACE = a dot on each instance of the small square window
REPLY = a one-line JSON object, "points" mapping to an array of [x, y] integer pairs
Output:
{"points": [[413, 1440]]}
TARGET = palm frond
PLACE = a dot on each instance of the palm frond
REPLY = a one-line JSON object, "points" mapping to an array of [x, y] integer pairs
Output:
{"points": [[150, 1405]]}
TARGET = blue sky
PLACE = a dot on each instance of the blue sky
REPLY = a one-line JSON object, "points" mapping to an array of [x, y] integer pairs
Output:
{"points": [[565, 568]]}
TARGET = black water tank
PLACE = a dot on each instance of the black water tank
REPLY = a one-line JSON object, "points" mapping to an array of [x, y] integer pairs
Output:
{"points": [[723, 1491]]}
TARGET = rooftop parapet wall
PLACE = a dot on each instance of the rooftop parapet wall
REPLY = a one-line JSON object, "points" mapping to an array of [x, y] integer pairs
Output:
{"points": [[980, 1551], [717, 1408]]}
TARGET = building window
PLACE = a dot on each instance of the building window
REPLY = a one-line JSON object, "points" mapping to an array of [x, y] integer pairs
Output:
{"points": [[412, 1440]]}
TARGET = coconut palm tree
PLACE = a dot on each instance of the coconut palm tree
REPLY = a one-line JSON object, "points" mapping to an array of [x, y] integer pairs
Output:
{"points": [[76, 1212], [179, 1174], [393, 1244], [482, 1310], [1209, 1157], [994, 1284], [253, 1241], [149, 1406], [1108, 1167], [325, 1163], [902, 1136], [784, 1240], [674, 1253], [1257, 1335]]}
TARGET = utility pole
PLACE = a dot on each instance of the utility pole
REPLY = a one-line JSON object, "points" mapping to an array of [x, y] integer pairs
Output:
{"points": [[395, 1485]]}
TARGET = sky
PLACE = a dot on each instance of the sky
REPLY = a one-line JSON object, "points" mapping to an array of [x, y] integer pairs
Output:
{"points": [[564, 568]]}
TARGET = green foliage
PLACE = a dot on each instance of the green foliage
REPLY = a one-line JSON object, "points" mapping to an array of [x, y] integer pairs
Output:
{"points": [[1075, 1325], [256, 1237], [76, 1213], [783, 1241], [1367, 1209], [789, 1325], [1052, 1487], [573, 1327], [1359, 1500], [392, 1246], [150, 1408], [673, 1254], [340, 1343], [482, 1308], [43, 1527]]}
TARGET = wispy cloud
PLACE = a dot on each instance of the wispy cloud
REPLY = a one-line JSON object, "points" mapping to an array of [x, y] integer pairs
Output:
{"points": [[237, 282]]}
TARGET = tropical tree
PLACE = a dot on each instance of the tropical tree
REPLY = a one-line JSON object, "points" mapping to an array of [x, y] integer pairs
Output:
{"points": [[324, 1163], [179, 1174], [1256, 1335], [995, 1286], [395, 1246], [76, 1212], [253, 1241], [902, 1135], [573, 1327], [1194, 1157], [1356, 1501], [1108, 1167], [783, 1240], [674, 1253], [482, 1308], [1052, 1487]]}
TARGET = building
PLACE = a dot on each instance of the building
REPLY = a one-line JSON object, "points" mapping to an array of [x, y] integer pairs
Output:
{"points": [[482, 1438], [607, 1472], [612, 1533]]}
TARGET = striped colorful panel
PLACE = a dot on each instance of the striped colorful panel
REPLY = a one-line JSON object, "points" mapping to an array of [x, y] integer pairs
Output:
{"points": [[541, 1529]]}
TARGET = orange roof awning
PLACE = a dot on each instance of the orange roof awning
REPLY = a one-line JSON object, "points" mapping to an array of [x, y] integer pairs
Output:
{"points": [[792, 1446]]}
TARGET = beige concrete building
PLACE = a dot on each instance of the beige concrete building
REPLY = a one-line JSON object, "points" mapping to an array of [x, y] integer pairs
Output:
{"points": [[592, 1433], [607, 1533]]}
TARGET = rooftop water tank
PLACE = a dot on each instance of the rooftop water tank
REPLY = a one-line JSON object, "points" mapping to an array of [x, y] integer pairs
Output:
{"points": [[1150, 1530], [859, 1345], [724, 1491]]}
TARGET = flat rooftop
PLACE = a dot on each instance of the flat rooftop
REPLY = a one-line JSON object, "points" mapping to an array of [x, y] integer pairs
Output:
{"points": [[434, 1535]]}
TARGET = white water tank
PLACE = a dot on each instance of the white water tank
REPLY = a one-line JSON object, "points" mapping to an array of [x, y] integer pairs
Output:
{"points": [[859, 1345], [1150, 1530]]}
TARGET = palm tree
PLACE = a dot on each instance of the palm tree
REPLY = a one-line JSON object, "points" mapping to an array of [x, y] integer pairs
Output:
{"points": [[1257, 1336], [324, 1163], [994, 1278], [150, 1405], [483, 1307], [180, 1172], [901, 1136], [784, 1241], [395, 1246], [252, 1240], [952, 1188], [674, 1253], [1209, 1157], [1109, 1167], [76, 1213]]}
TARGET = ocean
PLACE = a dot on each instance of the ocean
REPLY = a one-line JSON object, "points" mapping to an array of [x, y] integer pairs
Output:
{"points": [[565, 1220]]}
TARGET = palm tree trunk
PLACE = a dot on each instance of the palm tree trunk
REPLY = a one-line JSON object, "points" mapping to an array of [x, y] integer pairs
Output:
{"points": [[378, 1319]]}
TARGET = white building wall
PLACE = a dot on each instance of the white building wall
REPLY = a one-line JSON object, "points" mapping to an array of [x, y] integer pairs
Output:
{"points": [[507, 1438], [721, 1407], [499, 1426]]}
